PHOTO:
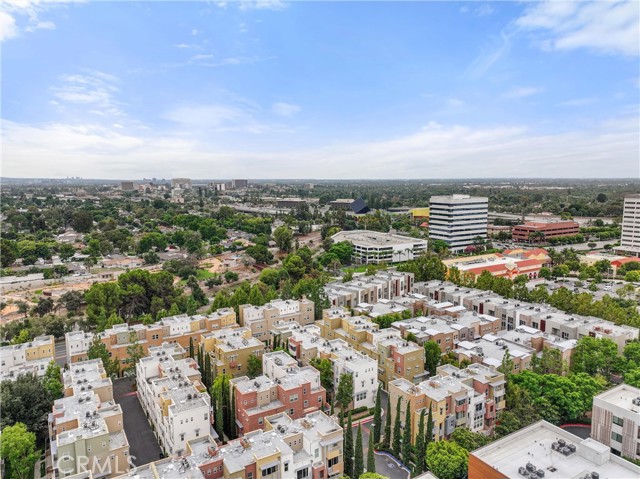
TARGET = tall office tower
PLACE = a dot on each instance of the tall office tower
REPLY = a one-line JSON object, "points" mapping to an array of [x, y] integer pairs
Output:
{"points": [[630, 240], [458, 219]]}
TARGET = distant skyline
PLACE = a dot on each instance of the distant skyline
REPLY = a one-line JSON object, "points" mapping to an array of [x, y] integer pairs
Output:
{"points": [[326, 90]]}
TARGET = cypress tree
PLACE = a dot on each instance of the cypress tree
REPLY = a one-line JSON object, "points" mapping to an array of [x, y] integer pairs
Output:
{"points": [[348, 448], [371, 459], [207, 370], [406, 437], [395, 445], [387, 431], [420, 448], [377, 419], [232, 416], [191, 353], [428, 437], [358, 462]]}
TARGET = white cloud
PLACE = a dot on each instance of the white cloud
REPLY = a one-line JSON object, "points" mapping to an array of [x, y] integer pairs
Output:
{"points": [[183, 46], [29, 9], [285, 109], [479, 10], [499, 48], [201, 57], [261, 4], [7, 26], [602, 26], [577, 102], [437, 151], [523, 92], [92, 88]]}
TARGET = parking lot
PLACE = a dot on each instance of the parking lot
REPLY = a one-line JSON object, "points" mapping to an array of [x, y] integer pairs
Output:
{"points": [[143, 445]]}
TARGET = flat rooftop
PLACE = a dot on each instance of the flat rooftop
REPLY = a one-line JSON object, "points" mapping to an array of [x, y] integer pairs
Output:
{"points": [[621, 396], [375, 239], [533, 444]]}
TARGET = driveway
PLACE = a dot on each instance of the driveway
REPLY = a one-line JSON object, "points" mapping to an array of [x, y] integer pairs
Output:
{"points": [[385, 464], [143, 445]]}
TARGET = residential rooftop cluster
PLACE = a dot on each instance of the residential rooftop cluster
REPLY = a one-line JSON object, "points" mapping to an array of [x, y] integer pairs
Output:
{"points": [[31, 357]]}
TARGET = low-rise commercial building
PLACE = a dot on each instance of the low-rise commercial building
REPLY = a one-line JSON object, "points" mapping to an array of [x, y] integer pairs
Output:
{"points": [[615, 420], [173, 397], [374, 247], [496, 264], [534, 232], [545, 450], [31, 357], [261, 319], [86, 426]]}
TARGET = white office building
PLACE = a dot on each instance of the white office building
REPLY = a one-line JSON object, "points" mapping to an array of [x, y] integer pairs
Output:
{"points": [[458, 219], [630, 240], [374, 247]]}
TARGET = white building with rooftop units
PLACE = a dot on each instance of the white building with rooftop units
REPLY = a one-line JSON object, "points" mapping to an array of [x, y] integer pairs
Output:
{"points": [[374, 247]]}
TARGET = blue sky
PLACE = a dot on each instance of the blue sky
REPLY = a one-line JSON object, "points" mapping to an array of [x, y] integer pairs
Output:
{"points": [[320, 89]]}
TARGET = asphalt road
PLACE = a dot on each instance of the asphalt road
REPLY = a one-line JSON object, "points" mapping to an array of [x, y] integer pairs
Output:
{"points": [[61, 352], [143, 445]]}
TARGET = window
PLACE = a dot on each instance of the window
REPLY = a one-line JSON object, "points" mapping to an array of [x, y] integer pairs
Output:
{"points": [[206, 416], [267, 471], [88, 448], [286, 466], [291, 412], [319, 399], [616, 437], [316, 453], [333, 461], [293, 398], [306, 403], [182, 437], [260, 420], [250, 475], [302, 473], [618, 421]]}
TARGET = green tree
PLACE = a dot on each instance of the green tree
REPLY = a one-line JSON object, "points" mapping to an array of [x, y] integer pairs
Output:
{"points": [[344, 396], [550, 362], [18, 448], [377, 418], [52, 381], [283, 238], [98, 350], [358, 462], [406, 438], [469, 440], [447, 460], [325, 367], [8, 252], [26, 400], [421, 447], [396, 442], [632, 377], [432, 355], [254, 366], [231, 276], [135, 352], [371, 458], [196, 291], [386, 444], [348, 448], [428, 436], [507, 364], [595, 356]]}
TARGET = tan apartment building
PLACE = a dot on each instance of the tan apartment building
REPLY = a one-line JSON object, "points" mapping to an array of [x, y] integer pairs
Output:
{"points": [[230, 349], [86, 427], [181, 329], [261, 319], [30, 357]]}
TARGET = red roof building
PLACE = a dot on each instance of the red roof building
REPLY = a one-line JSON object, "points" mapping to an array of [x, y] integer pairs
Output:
{"points": [[539, 232]]}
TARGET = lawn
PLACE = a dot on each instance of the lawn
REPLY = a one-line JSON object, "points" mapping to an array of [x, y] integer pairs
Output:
{"points": [[356, 269], [201, 275]]}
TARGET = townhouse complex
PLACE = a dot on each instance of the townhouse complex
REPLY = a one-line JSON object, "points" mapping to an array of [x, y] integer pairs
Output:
{"points": [[384, 285], [31, 357], [309, 447], [173, 397], [396, 357], [181, 329], [284, 388], [471, 398], [86, 426], [556, 326], [261, 319]]}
